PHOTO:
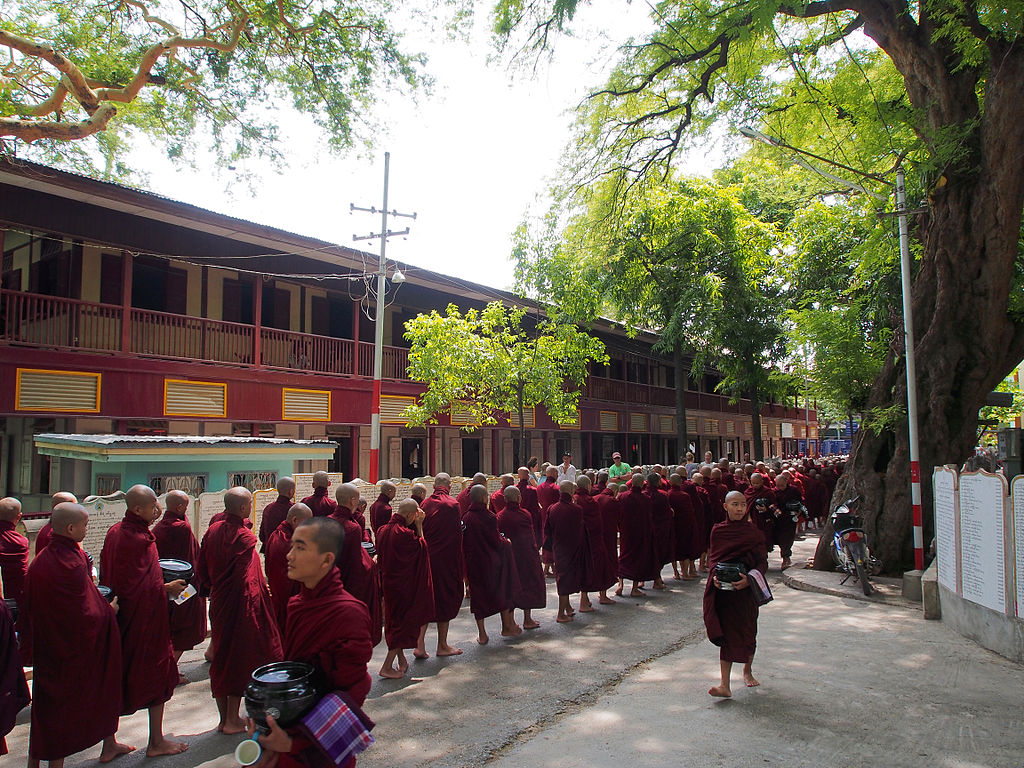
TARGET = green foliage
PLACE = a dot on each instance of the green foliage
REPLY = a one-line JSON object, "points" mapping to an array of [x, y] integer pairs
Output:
{"points": [[489, 364], [1006, 415]]}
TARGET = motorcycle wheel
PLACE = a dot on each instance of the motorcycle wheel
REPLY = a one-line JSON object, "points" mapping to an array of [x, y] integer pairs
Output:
{"points": [[862, 575]]}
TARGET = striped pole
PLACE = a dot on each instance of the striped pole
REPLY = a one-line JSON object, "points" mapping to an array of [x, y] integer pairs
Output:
{"points": [[378, 335]]}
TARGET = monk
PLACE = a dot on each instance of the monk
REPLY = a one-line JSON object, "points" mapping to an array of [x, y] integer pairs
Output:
{"points": [[497, 500], [636, 548], [418, 492], [13, 550], [730, 617], [75, 704], [359, 571], [600, 570], [442, 530], [130, 566], [14, 695], [564, 529], [276, 561], [608, 507], [761, 508], [516, 525], [663, 527], [408, 590], [685, 533], [174, 539], [788, 503], [490, 567], [528, 492], [321, 504], [244, 633], [547, 494], [327, 627], [43, 537], [380, 510], [705, 515], [276, 511], [464, 498]]}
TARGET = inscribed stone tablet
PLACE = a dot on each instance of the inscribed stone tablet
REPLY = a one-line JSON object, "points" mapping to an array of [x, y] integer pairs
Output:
{"points": [[945, 494], [982, 545]]}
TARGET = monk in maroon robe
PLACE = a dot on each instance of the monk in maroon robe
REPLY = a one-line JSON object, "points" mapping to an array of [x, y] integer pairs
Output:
{"points": [[497, 502], [760, 501], [14, 695], [174, 539], [130, 567], [408, 590], [516, 525], [608, 507], [661, 520], [244, 632], [321, 504], [359, 571], [276, 511], [684, 529], [328, 628], [547, 494], [359, 518], [730, 616], [530, 503], [788, 503], [380, 510], [442, 529], [490, 567], [464, 498], [636, 547], [705, 517], [600, 572], [275, 561], [563, 528], [44, 534], [75, 704], [13, 550]]}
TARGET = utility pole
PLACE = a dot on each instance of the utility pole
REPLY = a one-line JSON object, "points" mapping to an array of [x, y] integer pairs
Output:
{"points": [[378, 338]]}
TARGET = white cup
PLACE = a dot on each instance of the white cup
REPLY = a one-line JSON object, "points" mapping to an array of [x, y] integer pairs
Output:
{"points": [[249, 751]]}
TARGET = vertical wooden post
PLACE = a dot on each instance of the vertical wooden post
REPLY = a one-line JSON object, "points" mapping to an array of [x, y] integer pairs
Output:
{"points": [[126, 302], [257, 325]]}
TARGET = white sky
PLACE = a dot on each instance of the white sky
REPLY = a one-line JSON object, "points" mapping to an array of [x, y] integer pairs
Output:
{"points": [[470, 160]]}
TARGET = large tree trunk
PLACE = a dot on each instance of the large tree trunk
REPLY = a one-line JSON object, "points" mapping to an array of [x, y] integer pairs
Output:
{"points": [[682, 377], [755, 423], [966, 343]]}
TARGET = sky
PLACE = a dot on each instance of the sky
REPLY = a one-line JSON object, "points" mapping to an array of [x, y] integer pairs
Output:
{"points": [[470, 160]]}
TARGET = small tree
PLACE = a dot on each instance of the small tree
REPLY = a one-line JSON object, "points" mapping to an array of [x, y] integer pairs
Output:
{"points": [[487, 364]]}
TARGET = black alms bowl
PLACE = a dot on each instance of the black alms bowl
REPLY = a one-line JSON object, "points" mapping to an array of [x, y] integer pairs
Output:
{"points": [[107, 593], [12, 606], [176, 569], [285, 689]]}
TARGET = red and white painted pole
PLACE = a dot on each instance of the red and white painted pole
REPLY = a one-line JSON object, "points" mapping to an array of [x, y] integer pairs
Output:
{"points": [[378, 335]]}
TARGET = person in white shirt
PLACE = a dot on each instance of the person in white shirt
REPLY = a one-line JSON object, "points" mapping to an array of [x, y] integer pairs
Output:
{"points": [[566, 471]]}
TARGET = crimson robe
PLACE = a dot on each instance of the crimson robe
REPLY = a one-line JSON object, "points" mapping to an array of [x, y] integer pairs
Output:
{"points": [[273, 515], [405, 576], [664, 528], [14, 695], [706, 503], [531, 504], [442, 528], [636, 529], [223, 515], [380, 513], [463, 500], [608, 507], [730, 617], [275, 561], [174, 539], [784, 526], [564, 529], [684, 523], [244, 633], [497, 501], [69, 635], [359, 572], [600, 572], [321, 504], [516, 525], [131, 568], [43, 538], [547, 494], [761, 514], [330, 629], [13, 560], [490, 567]]}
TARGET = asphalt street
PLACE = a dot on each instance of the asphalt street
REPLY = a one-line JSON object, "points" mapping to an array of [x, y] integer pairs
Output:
{"points": [[844, 682]]}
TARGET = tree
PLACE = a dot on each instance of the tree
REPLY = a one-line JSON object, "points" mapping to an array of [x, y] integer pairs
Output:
{"points": [[486, 364], [81, 69], [937, 85]]}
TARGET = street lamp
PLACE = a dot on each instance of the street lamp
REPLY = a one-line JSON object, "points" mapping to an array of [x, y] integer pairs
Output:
{"points": [[908, 318]]}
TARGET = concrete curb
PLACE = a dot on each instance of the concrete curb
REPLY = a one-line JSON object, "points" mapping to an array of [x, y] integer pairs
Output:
{"points": [[886, 591]]}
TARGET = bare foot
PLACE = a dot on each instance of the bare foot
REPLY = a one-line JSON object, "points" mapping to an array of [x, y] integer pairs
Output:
{"points": [[721, 691], [618, 592], [586, 608], [448, 650], [421, 654], [751, 681], [514, 631], [116, 750], [182, 680], [659, 585], [391, 673], [531, 624], [637, 592], [562, 619], [403, 666], [483, 639], [230, 727], [786, 564], [607, 600], [689, 578], [167, 747]]}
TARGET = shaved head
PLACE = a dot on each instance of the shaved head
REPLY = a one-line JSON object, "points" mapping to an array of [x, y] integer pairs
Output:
{"points": [[61, 497], [286, 487], [176, 501], [65, 515], [478, 494], [567, 486], [583, 483], [347, 495], [513, 494], [297, 513], [733, 495], [418, 491], [407, 508], [388, 488], [479, 479], [237, 501], [507, 480], [321, 479], [138, 496], [10, 509], [442, 480]]}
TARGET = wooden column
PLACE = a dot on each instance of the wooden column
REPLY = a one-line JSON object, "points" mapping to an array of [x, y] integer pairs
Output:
{"points": [[257, 311], [126, 302]]}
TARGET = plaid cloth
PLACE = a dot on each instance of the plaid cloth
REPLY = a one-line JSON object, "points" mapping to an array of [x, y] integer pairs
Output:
{"points": [[337, 729], [759, 588]]}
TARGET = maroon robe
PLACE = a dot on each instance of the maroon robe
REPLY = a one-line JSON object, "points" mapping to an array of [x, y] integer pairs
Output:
{"points": [[761, 514], [497, 502], [380, 513], [531, 504], [43, 538], [244, 631], [174, 539], [442, 528], [14, 695], [273, 515], [330, 629], [608, 507], [69, 635], [600, 571], [784, 527], [564, 529], [131, 568], [13, 560], [321, 504], [276, 563], [516, 525], [636, 528], [405, 576], [222, 515], [684, 523], [464, 500], [490, 567], [730, 617], [664, 529], [359, 572], [547, 494]]}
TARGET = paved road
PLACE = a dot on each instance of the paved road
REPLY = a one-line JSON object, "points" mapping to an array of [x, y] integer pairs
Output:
{"points": [[844, 683]]}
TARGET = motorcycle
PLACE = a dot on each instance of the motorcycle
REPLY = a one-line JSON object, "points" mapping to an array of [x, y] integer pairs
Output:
{"points": [[850, 546]]}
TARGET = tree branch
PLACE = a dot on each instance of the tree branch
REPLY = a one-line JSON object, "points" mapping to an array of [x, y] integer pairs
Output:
{"points": [[76, 82], [33, 130]]}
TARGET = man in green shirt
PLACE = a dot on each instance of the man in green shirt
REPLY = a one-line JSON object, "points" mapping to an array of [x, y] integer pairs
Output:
{"points": [[618, 467]]}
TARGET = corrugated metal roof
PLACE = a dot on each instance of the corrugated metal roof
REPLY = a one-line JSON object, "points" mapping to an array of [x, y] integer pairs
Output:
{"points": [[172, 439]]}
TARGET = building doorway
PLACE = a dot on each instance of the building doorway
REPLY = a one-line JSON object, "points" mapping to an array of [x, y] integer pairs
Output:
{"points": [[413, 457], [470, 456]]}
